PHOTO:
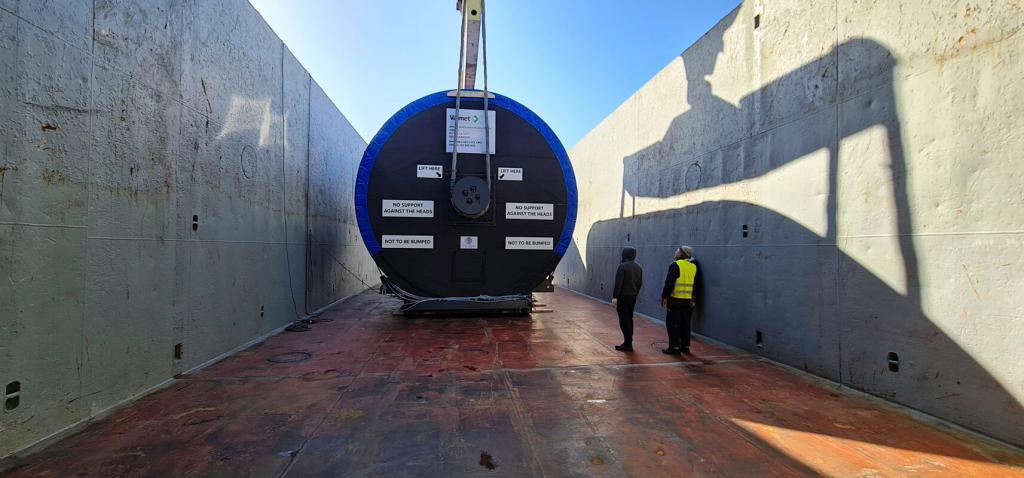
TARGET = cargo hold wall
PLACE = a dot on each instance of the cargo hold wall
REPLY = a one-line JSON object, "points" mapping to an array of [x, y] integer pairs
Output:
{"points": [[173, 185], [850, 176]]}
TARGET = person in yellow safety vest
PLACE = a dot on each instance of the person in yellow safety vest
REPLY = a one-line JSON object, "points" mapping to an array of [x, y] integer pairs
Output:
{"points": [[678, 298]]}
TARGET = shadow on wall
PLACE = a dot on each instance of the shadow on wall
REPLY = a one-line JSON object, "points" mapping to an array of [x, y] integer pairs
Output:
{"points": [[298, 197], [775, 285]]}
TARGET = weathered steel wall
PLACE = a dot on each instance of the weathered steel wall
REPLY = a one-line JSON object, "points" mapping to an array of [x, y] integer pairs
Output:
{"points": [[158, 160], [850, 175]]}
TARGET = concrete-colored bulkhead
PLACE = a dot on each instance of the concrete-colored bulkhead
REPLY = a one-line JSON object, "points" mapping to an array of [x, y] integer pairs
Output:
{"points": [[850, 177], [159, 175]]}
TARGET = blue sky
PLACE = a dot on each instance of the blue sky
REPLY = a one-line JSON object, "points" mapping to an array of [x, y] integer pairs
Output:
{"points": [[570, 61]]}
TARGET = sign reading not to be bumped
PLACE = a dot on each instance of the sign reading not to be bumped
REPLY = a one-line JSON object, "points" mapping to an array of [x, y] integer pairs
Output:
{"points": [[530, 243], [407, 242]]}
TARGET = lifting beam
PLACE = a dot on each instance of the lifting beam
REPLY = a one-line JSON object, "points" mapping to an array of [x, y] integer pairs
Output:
{"points": [[472, 11]]}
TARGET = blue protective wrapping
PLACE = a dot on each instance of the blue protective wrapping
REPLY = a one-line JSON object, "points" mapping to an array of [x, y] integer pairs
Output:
{"points": [[429, 101]]}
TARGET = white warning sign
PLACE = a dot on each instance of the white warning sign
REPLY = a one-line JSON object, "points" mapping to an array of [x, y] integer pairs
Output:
{"points": [[510, 174], [529, 210], [469, 242], [407, 242], [471, 130], [407, 208], [433, 171], [530, 243]]}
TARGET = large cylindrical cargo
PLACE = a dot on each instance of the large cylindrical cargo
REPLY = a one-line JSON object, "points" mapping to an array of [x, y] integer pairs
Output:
{"points": [[438, 234]]}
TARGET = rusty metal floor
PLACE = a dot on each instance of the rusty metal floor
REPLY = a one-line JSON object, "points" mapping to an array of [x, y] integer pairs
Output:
{"points": [[370, 394]]}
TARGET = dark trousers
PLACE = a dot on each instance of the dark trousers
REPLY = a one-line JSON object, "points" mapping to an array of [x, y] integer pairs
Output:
{"points": [[677, 321], [625, 309]]}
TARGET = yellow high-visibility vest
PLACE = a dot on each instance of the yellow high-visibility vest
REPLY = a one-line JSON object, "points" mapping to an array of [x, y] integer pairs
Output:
{"points": [[684, 283]]}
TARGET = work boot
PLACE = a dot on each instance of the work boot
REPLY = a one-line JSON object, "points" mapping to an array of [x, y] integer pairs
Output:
{"points": [[670, 351], [624, 348], [685, 350]]}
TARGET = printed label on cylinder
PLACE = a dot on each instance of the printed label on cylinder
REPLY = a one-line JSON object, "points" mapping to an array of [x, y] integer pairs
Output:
{"points": [[530, 243], [407, 208], [529, 210], [407, 242], [471, 130], [510, 174], [469, 242], [433, 171]]}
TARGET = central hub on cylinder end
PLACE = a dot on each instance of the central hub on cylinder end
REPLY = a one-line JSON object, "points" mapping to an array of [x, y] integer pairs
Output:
{"points": [[471, 197]]}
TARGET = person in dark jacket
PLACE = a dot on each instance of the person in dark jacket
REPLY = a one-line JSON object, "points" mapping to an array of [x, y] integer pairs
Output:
{"points": [[628, 279], [678, 297]]}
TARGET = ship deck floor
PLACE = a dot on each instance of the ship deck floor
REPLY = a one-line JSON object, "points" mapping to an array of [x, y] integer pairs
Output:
{"points": [[371, 394]]}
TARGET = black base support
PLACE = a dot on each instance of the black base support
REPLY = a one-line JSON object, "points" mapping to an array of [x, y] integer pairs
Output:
{"points": [[443, 306]]}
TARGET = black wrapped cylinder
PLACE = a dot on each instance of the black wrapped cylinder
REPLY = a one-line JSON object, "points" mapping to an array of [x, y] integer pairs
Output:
{"points": [[428, 245]]}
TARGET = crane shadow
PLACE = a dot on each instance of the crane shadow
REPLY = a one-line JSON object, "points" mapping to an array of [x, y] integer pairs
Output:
{"points": [[782, 287]]}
